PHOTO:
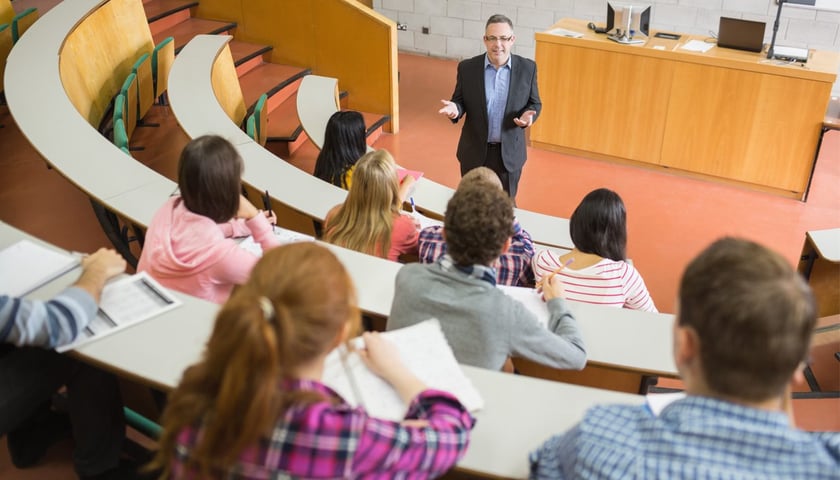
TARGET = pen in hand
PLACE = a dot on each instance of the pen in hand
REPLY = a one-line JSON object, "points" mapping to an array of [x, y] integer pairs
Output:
{"points": [[267, 204]]}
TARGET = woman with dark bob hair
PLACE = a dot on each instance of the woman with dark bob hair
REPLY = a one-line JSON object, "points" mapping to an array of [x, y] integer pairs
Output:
{"points": [[596, 270], [344, 144], [188, 245]]}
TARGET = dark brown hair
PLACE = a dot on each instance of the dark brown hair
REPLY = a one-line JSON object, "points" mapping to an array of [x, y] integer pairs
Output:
{"points": [[209, 177], [599, 225], [478, 220], [753, 314], [498, 18]]}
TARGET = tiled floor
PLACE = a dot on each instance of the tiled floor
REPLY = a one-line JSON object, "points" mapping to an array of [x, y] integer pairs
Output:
{"points": [[671, 218]]}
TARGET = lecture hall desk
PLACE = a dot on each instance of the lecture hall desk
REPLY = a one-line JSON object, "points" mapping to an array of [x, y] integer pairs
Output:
{"points": [[728, 115]]}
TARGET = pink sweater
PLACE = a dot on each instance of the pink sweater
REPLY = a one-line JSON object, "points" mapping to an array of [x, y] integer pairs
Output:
{"points": [[193, 254]]}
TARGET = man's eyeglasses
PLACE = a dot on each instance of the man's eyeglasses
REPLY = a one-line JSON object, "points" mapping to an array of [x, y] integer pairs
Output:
{"points": [[494, 39]]}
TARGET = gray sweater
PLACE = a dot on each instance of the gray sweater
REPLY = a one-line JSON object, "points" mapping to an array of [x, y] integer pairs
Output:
{"points": [[482, 324]]}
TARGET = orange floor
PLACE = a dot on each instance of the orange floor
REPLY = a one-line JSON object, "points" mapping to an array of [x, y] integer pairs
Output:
{"points": [[671, 218]]}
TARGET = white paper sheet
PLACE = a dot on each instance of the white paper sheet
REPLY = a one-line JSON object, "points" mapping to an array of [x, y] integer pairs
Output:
{"points": [[25, 266]]}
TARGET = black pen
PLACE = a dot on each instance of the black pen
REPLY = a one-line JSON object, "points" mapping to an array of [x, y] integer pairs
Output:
{"points": [[267, 205]]}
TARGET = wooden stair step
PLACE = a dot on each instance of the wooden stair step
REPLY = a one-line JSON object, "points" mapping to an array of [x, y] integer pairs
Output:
{"points": [[247, 55], [184, 31], [158, 9], [283, 124], [373, 125], [270, 78]]}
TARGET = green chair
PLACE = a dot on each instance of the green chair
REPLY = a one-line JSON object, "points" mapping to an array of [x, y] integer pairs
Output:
{"points": [[129, 91], [120, 134], [142, 424], [22, 22], [162, 58], [260, 117]]}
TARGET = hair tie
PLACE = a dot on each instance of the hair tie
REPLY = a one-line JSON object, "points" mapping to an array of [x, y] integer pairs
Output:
{"points": [[267, 308]]}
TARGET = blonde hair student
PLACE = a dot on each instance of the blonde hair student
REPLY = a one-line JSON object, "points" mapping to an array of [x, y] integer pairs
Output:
{"points": [[254, 407], [370, 220]]}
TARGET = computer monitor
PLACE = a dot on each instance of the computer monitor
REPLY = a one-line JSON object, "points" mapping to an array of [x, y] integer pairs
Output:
{"points": [[625, 21]]}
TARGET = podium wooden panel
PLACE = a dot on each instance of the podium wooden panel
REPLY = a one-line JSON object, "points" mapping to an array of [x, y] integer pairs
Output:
{"points": [[725, 114]]}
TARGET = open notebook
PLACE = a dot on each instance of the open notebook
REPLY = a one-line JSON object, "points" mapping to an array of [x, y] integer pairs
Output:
{"points": [[531, 299], [25, 266], [424, 351], [123, 303]]}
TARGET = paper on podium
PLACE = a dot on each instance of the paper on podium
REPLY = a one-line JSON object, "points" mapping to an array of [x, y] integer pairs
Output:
{"points": [[25, 266], [423, 350], [123, 303], [697, 46]]}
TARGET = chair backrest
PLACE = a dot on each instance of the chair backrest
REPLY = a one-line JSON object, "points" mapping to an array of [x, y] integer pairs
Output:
{"points": [[251, 127], [119, 109], [261, 119], [145, 85], [22, 22], [120, 134], [162, 58], [5, 47], [129, 90], [7, 13]]}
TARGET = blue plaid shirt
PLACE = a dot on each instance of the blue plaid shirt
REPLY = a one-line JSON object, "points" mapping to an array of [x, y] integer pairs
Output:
{"points": [[513, 267], [693, 438]]}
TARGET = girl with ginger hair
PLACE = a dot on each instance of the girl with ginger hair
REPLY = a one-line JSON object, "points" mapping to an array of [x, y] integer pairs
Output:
{"points": [[254, 406]]}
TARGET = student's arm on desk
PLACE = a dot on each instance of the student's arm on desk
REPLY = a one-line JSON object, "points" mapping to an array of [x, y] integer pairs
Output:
{"points": [[559, 346]]}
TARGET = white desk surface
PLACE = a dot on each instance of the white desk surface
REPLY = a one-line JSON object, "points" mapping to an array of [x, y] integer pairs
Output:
{"points": [[827, 243]]}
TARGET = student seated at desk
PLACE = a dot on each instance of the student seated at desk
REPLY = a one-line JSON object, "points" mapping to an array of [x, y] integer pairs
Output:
{"points": [[513, 267], [371, 220], [30, 373], [254, 406], [596, 270], [344, 145], [188, 245], [741, 337], [483, 325]]}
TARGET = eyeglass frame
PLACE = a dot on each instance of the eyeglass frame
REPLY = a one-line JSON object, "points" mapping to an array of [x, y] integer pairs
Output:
{"points": [[503, 39]]}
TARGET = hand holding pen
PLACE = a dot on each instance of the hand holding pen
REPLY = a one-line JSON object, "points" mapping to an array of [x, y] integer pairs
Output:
{"points": [[269, 213], [551, 286]]}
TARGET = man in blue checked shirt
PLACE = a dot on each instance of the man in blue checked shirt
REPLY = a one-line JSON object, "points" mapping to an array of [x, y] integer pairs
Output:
{"points": [[741, 336], [30, 372]]}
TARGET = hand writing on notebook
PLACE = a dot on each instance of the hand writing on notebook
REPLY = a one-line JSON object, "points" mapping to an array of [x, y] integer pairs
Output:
{"points": [[383, 359]]}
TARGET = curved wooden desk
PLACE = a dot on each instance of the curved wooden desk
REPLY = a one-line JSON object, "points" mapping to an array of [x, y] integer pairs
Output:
{"points": [[724, 114]]}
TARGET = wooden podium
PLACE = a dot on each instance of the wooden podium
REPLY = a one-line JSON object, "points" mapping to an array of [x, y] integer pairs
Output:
{"points": [[727, 115]]}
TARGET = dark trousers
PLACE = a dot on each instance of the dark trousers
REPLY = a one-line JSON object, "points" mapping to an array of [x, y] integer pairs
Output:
{"points": [[30, 376], [493, 161]]}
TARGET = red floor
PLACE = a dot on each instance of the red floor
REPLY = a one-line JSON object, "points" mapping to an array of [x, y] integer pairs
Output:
{"points": [[671, 218]]}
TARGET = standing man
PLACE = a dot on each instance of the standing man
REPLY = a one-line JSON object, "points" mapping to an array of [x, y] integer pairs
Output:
{"points": [[498, 93]]}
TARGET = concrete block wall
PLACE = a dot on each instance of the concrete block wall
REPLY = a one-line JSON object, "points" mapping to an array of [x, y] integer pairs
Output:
{"points": [[455, 27]]}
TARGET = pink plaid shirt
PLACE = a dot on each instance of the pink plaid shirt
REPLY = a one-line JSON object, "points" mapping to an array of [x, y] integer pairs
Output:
{"points": [[331, 440]]}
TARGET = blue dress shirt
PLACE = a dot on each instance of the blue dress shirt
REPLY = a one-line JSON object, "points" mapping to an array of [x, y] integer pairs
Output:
{"points": [[496, 82]]}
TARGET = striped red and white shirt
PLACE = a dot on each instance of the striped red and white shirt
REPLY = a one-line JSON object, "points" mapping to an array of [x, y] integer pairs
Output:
{"points": [[608, 282]]}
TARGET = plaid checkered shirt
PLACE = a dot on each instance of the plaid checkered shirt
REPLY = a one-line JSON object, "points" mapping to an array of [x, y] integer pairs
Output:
{"points": [[512, 268], [332, 440]]}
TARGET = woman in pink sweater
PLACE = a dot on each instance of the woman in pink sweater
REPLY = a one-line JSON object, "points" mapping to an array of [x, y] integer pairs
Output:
{"points": [[189, 245]]}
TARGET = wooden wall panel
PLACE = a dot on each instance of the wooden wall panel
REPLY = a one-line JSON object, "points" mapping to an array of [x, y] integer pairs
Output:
{"points": [[98, 55], [226, 86], [742, 125], [592, 101], [338, 38]]}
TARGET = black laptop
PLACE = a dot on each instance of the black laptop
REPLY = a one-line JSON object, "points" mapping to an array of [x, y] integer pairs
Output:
{"points": [[741, 34]]}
